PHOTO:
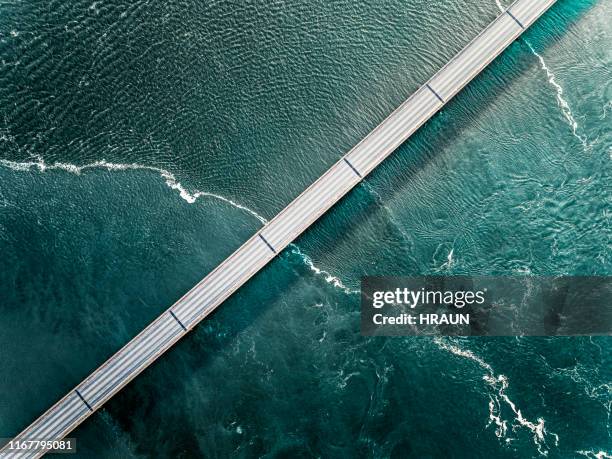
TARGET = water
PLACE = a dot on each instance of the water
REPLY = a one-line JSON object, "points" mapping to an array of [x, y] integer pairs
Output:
{"points": [[142, 142]]}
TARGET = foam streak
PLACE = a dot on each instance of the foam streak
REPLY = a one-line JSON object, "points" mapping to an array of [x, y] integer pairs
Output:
{"points": [[172, 182], [561, 102], [499, 398], [595, 455], [329, 278]]}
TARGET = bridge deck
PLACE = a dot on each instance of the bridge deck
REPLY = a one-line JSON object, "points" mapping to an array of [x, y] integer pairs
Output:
{"points": [[262, 247]]}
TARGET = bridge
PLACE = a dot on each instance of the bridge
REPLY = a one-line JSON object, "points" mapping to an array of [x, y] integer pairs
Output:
{"points": [[273, 237]]}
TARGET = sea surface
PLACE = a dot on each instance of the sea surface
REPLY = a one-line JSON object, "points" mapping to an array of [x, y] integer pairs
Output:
{"points": [[141, 142]]}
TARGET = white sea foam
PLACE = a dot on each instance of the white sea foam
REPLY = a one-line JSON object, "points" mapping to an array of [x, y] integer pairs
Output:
{"points": [[595, 455], [583, 377], [329, 278], [173, 183], [464, 353], [561, 102], [502, 425], [450, 260], [500, 399], [607, 107], [169, 177]]}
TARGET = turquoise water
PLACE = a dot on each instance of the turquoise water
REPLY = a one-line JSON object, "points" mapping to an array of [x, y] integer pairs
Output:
{"points": [[142, 142]]}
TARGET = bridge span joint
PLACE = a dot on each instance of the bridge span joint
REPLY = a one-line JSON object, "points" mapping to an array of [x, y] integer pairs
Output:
{"points": [[177, 319], [435, 93], [267, 243], [83, 400], [515, 19], [352, 167]]}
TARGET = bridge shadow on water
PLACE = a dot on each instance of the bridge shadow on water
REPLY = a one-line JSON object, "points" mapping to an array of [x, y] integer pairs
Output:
{"points": [[393, 177]]}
